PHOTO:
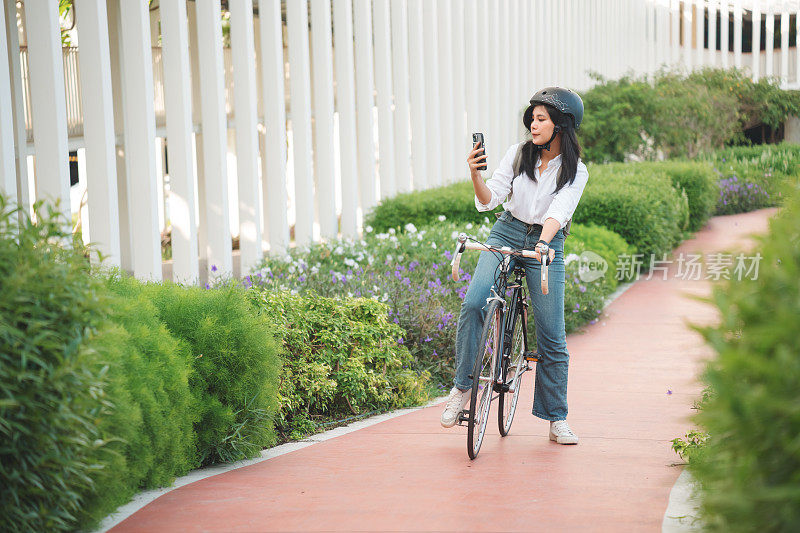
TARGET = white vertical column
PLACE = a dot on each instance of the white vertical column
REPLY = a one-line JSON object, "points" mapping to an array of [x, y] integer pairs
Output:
{"points": [[273, 155], [712, 33], [461, 138], [382, 32], [98, 127], [674, 56], [699, 34], [362, 19], [785, 47], [140, 132], [483, 70], [20, 134], [756, 40], [21, 195], [246, 117], [433, 141], [724, 33], [511, 64], [400, 75], [506, 104], [300, 89], [48, 104], [178, 105], [687, 36], [416, 73], [346, 103], [215, 137], [649, 36], [493, 140], [324, 160], [797, 47], [8, 172], [444, 56], [737, 33], [472, 73], [770, 42]]}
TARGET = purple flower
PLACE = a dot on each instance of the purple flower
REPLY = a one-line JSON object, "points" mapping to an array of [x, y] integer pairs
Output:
{"points": [[208, 286], [400, 340], [427, 339], [582, 288], [448, 255], [669, 391], [406, 282], [301, 279], [396, 320], [213, 268]]}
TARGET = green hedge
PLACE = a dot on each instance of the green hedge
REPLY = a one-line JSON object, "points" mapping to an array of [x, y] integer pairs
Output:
{"points": [[52, 383], [644, 208], [649, 204], [235, 362], [149, 422], [343, 359], [423, 208], [604, 242], [696, 178], [749, 468]]}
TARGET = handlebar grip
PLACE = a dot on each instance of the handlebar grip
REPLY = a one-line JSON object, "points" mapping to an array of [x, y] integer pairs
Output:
{"points": [[455, 262]]}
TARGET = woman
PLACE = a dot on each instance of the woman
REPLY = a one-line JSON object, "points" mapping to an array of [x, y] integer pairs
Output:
{"points": [[539, 182]]}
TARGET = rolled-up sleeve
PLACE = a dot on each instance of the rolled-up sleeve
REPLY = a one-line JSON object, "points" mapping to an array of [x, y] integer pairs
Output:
{"points": [[566, 200], [500, 182]]}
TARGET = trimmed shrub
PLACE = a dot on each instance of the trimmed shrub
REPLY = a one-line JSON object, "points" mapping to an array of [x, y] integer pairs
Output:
{"points": [[604, 242], [749, 468], [52, 383], [697, 179], [423, 208], [235, 364], [343, 358], [150, 420], [645, 209]]}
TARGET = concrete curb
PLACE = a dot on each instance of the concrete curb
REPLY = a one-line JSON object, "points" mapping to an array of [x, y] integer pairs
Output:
{"points": [[682, 514]]}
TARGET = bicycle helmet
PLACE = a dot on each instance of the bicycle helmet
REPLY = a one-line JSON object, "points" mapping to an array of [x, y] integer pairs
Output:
{"points": [[565, 100]]}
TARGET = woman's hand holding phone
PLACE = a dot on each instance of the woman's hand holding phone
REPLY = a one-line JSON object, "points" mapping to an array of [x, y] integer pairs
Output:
{"points": [[476, 158]]}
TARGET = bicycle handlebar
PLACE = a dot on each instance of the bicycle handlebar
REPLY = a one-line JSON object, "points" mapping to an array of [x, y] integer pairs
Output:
{"points": [[462, 245]]}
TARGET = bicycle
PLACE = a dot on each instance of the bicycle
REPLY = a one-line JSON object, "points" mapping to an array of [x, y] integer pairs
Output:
{"points": [[504, 332]]}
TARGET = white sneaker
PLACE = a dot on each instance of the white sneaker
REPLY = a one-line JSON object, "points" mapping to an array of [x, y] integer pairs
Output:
{"points": [[561, 433], [455, 404]]}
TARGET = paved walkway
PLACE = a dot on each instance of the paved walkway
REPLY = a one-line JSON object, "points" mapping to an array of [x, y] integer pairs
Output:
{"points": [[631, 388]]}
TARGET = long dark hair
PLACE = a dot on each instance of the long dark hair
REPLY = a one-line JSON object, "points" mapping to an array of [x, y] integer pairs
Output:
{"points": [[528, 153]]}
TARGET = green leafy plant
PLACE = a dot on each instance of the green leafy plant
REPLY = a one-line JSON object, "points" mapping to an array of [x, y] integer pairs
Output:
{"points": [[749, 469], [53, 385]]}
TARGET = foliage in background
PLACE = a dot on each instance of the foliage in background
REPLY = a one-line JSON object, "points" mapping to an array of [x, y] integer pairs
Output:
{"points": [[749, 469], [342, 358], [672, 114], [410, 271], [642, 207], [52, 383]]}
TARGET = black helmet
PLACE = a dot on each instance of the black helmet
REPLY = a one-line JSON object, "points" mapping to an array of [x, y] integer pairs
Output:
{"points": [[565, 100]]}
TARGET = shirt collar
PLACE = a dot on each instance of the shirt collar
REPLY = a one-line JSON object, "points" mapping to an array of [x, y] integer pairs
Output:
{"points": [[556, 159]]}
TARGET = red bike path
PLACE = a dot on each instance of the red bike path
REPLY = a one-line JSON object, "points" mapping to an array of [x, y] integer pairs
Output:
{"points": [[631, 388]]}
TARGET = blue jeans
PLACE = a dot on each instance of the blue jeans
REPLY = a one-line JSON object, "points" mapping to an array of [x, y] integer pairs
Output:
{"points": [[550, 391]]}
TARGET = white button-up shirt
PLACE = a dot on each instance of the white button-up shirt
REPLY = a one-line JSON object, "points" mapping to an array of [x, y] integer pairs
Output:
{"points": [[534, 202]]}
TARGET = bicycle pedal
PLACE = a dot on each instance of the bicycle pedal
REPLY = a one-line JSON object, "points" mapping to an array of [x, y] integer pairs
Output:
{"points": [[531, 357], [463, 416]]}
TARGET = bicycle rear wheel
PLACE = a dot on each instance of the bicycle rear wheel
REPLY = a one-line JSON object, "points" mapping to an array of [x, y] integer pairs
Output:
{"points": [[483, 379], [512, 372]]}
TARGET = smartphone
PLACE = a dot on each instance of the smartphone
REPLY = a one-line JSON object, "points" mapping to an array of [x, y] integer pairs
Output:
{"points": [[478, 138]]}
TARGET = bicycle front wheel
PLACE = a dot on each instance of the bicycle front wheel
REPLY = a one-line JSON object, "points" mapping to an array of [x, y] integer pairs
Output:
{"points": [[512, 371], [483, 379]]}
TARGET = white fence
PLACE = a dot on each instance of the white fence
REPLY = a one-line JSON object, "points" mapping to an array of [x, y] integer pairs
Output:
{"points": [[315, 109]]}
